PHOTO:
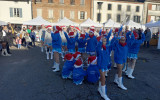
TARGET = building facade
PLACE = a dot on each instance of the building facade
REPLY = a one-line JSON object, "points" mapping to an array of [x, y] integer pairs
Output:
{"points": [[54, 10], [15, 11], [118, 10], [152, 10]]}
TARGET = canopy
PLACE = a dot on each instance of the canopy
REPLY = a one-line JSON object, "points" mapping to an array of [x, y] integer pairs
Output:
{"points": [[156, 24], [65, 22], [89, 23], [3, 23], [132, 24], [37, 21], [150, 24], [111, 23]]}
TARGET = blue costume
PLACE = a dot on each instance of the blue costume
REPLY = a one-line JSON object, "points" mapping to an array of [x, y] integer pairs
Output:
{"points": [[93, 74], [91, 44], [134, 48], [78, 75], [82, 44], [71, 43], [103, 57], [68, 69], [56, 42]]}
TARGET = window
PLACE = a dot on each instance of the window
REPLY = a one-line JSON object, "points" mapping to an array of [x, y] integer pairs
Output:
{"points": [[99, 17], [82, 15], [158, 7], [108, 16], [137, 8], [128, 18], [82, 2], [50, 13], [154, 7], [109, 6], [153, 18], [119, 18], [38, 0], [39, 12], [137, 19], [128, 8], [16, 12], [50, 1], [119, 7], [72, 2], [61, 1], [158, 18], [71, 14], [61, 14]]}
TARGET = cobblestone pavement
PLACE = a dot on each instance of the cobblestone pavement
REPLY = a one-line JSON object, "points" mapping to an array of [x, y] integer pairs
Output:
{"points": [[27, 75]]}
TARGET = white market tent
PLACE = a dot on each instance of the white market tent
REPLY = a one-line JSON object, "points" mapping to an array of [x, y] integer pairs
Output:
{"points": [[65, 22], [89, 23], [3, 23], [132, 24], [111, 23], [150, 24], [37, 21]]}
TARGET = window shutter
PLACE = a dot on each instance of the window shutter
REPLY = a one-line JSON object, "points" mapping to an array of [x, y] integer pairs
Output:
{"points": [[11, 12], [85, 15], [78, 14], [20, 12]]}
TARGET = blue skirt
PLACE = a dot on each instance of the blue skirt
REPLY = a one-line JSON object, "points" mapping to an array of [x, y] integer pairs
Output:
{"points": [[82, 50], [64, 43], [71, 51], [132, 56], [59, 50]]}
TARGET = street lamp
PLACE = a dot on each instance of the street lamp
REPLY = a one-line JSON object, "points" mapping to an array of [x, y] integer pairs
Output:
{"points": [[99, 7]]}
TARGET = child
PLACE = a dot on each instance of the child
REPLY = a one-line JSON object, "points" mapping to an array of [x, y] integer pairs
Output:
{"points": [[93, 74], [18, 42], [78, 72], [132, 53], [71, 41], [68, 66], [82, 43], [91, 43], [48, 41]]}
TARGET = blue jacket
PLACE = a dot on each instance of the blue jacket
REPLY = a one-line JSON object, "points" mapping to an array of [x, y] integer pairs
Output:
{"points": [[120, 52], [91, 44], [93, 73], [56, 40], [71, 41], [103, 56], [68, 68], [134, 48], [82, 42], [78, 75], [32, 34]]}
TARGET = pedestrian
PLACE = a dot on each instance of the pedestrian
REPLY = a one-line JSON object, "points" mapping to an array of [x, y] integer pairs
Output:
{"points": [[56, 45], [71, 40], [18, 42], [42, 36], [33, 36], [27, 39], [133, 51], [147, 37], [103, 58], [68, 66], [78, 72], [48, 41], [93, 74]]}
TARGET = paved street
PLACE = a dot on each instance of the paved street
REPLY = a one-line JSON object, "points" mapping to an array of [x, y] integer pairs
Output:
{"points": [[27, 75]]}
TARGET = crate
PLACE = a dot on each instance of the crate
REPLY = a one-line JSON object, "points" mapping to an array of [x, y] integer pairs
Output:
{"points": [[154, 42]]}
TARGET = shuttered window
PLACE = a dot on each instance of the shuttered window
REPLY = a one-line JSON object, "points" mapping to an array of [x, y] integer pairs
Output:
{"points": [[16, 12]]}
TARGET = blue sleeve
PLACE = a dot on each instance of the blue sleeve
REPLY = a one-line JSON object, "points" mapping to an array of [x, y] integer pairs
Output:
{"points": [[99, 48], [127, 34], [131, 40], [66, 36], [109, 34], [120, 29], [142, 39], [76, 37], [84, 73], [100, 32]]}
